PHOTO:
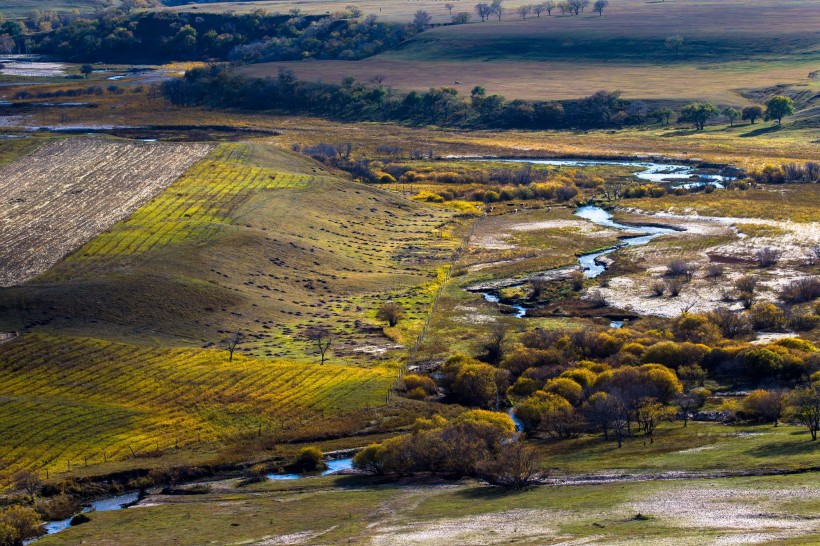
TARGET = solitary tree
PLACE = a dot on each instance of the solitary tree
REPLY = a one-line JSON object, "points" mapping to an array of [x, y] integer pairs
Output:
{"points": [[673, 43], [231, 343], [421, 20], [390, 312], [752, 113], [732, 114], [29, 482], [804, 405], [322, 339], [599, 6], [461, 18], [524, 10], [538, 9], [779, 107], [86, 70], [549, 5], [450, 8]]}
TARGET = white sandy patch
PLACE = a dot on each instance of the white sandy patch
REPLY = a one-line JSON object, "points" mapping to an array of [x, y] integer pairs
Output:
{"points": [[293, 538], [770, 337], [494, 528], [747, 516]]}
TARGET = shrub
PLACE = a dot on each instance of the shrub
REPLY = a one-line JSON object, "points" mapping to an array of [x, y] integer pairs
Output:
{"points": [[565, 388], [767, 257], [731, 324], [310, 459], [658, 288], [413, 382], [747, 283], [680, 268], [766, 316], [801, 290], [18, 524], [714, 271], [674, 285], [803, 321]]}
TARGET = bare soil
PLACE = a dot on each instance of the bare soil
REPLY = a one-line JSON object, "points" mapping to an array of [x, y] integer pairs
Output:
{"points": [[68, 191]]}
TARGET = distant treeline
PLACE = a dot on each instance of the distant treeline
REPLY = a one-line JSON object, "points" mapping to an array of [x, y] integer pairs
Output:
{"points": [[257, 36], [220, 87]]}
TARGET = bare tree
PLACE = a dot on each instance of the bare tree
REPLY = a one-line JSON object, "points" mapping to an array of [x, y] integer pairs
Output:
{"points": [[599, 6], [497, 9], [29, 482], [524, 10], [322, 337], [484, 11], [538, 9], [450, 8], [674, 43], [549, 5], [231, 343]]}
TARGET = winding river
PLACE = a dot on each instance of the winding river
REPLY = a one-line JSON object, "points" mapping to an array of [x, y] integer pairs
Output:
{"points": [[590, 264]]}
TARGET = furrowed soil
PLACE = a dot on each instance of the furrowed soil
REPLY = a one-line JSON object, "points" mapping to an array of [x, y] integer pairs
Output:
{"points": [[68, 191]]}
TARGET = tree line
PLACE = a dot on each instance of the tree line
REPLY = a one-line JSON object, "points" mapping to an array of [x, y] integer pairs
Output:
{"points": [[115, 36]]}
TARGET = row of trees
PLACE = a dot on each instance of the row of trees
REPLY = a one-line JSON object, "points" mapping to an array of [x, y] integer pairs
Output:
{"points": [[222, 88], [258, 36], [698, 114]]}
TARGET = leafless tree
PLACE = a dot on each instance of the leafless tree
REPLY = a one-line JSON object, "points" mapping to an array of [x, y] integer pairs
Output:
{"points": [[322, 338], [450, 7], [29, 482], [231, 343]]}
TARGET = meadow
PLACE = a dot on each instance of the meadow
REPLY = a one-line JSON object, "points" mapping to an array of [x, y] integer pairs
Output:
{"points": [[776, 509]]}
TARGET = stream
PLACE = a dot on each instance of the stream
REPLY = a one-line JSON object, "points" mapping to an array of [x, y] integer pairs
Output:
{"points": [[590, 264], [123, 501], [659, 173]]}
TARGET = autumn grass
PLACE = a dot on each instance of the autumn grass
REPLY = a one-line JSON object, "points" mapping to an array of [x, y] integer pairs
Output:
{"points": [[252, 239], [80, 401], [796, 203]]}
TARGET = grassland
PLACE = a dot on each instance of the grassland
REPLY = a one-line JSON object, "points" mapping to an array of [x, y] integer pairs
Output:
{"points": [[778, 509], [79, 401], [22, 8]]}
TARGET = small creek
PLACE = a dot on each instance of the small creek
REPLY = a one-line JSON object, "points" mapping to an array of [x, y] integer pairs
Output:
{"points": [[103, 505], [120, 502], [659, 173], [590, 263]]}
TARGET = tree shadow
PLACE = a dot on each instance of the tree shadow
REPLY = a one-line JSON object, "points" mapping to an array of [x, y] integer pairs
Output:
{"points": [[762, 131], [489, 492], [787, 448]]}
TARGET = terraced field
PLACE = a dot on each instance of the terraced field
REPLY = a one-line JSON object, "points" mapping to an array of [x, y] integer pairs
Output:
{"points": [[79, 401], [65, 193]]}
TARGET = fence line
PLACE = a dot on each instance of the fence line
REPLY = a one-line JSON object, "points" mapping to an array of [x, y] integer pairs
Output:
{"points": [[411, 355]]}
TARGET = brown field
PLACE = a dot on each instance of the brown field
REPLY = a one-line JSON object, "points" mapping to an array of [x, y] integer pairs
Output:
{"points": [[543, 80], [69, 191], [791, 14]]}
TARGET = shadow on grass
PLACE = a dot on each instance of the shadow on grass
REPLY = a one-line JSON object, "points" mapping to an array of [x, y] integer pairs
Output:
{"points": [[488, 492], [761, 131], [803, 446]]}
